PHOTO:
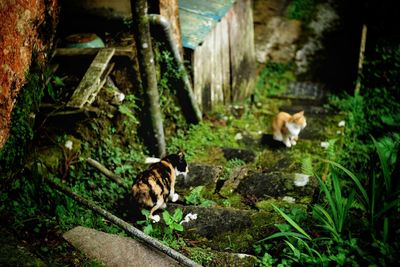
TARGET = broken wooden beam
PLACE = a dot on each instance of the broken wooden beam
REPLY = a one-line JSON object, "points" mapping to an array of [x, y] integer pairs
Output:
{"points": [[74, 52], [93, 79]]}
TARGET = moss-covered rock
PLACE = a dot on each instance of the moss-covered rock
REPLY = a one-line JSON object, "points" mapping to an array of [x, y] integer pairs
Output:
{"points": [[277, 184], [207, 257]]}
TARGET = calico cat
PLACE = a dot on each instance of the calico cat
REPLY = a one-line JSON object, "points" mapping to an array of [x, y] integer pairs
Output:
{"points": [[286, 127], [154, 186]]}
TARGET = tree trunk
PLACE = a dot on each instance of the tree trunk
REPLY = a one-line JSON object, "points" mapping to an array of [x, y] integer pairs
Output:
{"points": [[156, 142]]}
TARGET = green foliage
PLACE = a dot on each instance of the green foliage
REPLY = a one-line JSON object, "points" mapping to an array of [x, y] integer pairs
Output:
{"points": [[195, 197], [22, 119], [167, 83], [201, 256], [172, 221], [334, 218], [127, 108], [301, 9], [274, 79], [166, 231], [197, 141]]}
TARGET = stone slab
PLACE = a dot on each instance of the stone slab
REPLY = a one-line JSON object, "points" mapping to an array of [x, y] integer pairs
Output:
{"points": [[114, 250]]}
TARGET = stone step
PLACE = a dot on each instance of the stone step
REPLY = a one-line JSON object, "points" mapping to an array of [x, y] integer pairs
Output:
{"points": [[231, 229], [304, 90], [114, 250]]}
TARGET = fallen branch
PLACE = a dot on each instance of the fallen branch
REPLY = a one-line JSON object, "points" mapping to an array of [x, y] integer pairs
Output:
{"points": [[182, 259], [107, 172]]}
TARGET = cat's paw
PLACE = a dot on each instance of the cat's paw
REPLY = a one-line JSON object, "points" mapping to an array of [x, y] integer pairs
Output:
{"points": [[288, 144], [175, 197], [155, 218]]}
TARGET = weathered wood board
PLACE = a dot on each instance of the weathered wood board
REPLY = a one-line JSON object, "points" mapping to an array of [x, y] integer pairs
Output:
{"points": [[219, 39], [241, 38], [93, 80]]}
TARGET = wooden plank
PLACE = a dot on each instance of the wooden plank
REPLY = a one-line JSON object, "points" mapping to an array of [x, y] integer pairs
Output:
{"points": [[220, 61], [241, 34], [73, 52], [223, 59], [93, 79], [202, 72]]}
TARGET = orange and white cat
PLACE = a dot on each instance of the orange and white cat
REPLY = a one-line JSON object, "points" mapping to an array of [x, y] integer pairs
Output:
{"points": [[286, 127]]}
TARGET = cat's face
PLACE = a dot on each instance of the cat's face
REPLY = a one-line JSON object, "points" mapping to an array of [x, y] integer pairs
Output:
{"points": [[180, 164], [296, 123], [299, 119]]}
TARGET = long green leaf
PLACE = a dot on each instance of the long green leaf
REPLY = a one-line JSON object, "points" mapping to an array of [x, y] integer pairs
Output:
{"points": [[296, 252], [327, 221], [329, 199], [338, 201], [384, 165], [284, 234], [355, 180], [291, 222]]}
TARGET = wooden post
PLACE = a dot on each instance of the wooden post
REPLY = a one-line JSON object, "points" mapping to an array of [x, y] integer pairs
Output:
{"points": [[361, 58], [156, 144]]}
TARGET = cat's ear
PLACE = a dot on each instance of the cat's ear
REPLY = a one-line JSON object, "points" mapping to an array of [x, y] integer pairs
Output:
{"points": [[300, 113], [181, 154]]}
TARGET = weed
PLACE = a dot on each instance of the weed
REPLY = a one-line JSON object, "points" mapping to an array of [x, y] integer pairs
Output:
{"points": [[301, 9], [195, 197], [274, 79], [165, 232]]}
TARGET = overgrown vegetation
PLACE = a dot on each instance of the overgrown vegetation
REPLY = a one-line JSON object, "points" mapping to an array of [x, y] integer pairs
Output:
{"points": [[352, 221], [356, 211]]}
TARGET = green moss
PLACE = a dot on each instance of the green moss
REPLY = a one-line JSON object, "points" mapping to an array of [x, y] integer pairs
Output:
{"points": [[200, 255], [13, 153], [266, 205]]}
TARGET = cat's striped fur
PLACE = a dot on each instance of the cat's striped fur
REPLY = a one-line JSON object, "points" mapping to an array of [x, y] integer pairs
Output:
{"points": [[154, 186]]}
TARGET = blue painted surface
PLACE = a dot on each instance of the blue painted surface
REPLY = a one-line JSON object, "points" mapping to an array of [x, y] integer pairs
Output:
{"points": [[198, 18]]}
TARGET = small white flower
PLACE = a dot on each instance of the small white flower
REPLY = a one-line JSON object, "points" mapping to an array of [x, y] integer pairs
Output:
{"points": [[324, 144], [341, 123], [301, 179], [339, 132], [238, 136], [120, 96], [189, 217], [289, 199], [68, 144]]}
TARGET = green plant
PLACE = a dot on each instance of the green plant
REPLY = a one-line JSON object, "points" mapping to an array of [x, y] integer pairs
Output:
{"points": [[196, 197], [301, 9], [274, 79], [12, 154], [334, 218], [127, 108], [201, 256], [165, 232]]}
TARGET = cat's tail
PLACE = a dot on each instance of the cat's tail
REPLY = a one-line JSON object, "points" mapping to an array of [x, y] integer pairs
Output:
{"points": [[151, 160]]}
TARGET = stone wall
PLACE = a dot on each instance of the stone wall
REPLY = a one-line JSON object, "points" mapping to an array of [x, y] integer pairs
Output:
{"points": [[26, 31]]}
